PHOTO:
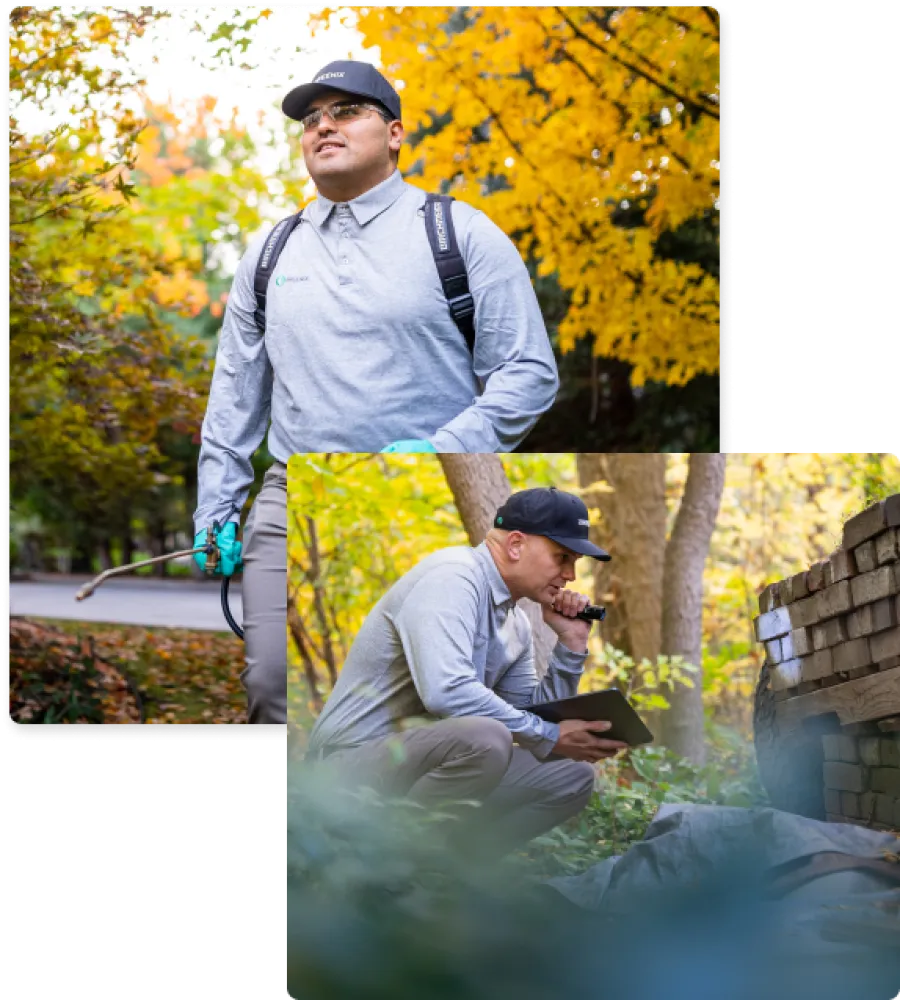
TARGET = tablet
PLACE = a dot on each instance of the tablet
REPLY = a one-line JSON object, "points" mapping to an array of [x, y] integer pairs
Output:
{"points": [[609, 706]]}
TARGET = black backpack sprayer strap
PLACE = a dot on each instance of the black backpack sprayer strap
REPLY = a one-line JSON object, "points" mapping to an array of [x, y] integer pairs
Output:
{"points": [[450, 265], [212, 561], [268, 258], [448, 260]]}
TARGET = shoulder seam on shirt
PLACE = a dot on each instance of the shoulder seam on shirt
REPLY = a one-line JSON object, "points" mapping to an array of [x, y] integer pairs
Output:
{"points": [[454, 562], [462, 233], [461, 559]]}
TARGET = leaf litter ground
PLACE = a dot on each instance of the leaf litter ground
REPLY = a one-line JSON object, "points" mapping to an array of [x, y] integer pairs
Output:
{"points": [[85, 672]]}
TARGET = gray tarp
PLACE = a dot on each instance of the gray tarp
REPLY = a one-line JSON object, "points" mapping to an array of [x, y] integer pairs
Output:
{"points": [[698, 891], [686, 844]]}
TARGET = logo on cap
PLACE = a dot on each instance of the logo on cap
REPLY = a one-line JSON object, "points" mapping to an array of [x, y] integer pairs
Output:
{"points": [[586, 524], [328, 76]]}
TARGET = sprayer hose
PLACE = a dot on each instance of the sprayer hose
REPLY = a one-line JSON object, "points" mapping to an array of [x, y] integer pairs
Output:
{"points": [[226, 610]]}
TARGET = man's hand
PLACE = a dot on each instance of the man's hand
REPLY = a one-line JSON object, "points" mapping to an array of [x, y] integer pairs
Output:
{"points": [[229, 547], [577, 740], [560, 616]]}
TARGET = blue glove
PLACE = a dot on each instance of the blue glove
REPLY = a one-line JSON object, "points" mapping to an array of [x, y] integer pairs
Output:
{"points": [[229, 550], [410, 447]]}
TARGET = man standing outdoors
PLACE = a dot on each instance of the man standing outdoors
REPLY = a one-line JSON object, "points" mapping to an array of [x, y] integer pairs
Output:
{"points": [[361, 350], [447, 643]]}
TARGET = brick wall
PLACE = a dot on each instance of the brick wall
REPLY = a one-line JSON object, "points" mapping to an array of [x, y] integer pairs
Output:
{"points": [[861, 774], [834, 622]]}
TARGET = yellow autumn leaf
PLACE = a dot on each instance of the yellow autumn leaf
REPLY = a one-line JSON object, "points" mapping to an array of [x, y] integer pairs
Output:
{"points": [[100, 27]]}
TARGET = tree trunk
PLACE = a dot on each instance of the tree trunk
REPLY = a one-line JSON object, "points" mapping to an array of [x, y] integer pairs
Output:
{"points": [[127, 546], [118, 529], [104, 553], [479, 486], [634, 533], [81, 561], [156, 540], [596, 492], [682, 725], [33, 554]]}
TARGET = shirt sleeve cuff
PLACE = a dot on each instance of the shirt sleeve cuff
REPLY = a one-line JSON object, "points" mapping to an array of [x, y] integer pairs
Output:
{"points": [[566, 659], [446, 442], [544, 747], [223, 516], [469, 432]]}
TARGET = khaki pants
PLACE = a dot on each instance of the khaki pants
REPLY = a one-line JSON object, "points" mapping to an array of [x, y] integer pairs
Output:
{"points": [[265, 601], [471, 758]]}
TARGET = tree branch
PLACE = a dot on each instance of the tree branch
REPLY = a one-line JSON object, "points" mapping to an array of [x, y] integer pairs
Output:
{"points": [[332, 611], [630, 48], [621, 108], [702, 103], [689, 27], [30, 158], [309, 670], [356, 460], [713, 16], [302, 535], [50, 211], [618, 105], [466, 84], [292, 603], [318, 603]]}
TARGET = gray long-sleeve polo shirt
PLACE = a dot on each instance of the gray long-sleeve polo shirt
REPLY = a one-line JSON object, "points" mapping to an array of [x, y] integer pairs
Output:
{"points": [[360, 348], [446, 640]]}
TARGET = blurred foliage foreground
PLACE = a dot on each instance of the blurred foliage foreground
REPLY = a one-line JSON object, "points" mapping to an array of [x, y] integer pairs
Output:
{"points": [[372, 879]]}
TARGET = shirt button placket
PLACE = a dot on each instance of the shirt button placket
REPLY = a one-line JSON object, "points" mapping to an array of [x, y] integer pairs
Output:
{"points": [[344, 247]]}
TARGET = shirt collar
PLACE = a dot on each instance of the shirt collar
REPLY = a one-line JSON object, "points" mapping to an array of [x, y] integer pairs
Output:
{"points": [[499, 591], [364, 208]]}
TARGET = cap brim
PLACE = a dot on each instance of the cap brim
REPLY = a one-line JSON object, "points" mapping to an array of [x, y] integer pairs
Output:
{"points": [[582, 546], [297, 102]]}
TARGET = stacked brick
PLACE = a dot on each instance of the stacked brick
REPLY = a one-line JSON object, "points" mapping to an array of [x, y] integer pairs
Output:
{"points": [[862, 778], [831, 624], [840, 619]]}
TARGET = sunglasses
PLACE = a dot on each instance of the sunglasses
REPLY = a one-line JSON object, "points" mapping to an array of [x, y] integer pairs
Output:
{"points": [[341, 112]]}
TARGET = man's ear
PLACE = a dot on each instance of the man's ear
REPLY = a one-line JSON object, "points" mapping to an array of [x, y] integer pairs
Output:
{"points": [[515, 543], [397, 135]]}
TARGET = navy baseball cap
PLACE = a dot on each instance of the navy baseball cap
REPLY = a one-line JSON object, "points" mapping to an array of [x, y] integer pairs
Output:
{"points": [[358, 78], [552, 513]]}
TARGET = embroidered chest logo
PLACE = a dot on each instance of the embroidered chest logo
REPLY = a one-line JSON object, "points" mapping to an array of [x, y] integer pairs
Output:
{"points": [[282, 278]]}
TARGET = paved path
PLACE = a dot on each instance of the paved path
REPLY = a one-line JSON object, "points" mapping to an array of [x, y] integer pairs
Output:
{"points": [[128, 601]]}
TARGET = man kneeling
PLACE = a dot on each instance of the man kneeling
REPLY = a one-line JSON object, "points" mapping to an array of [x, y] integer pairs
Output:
{"points": [[448, 643]]}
